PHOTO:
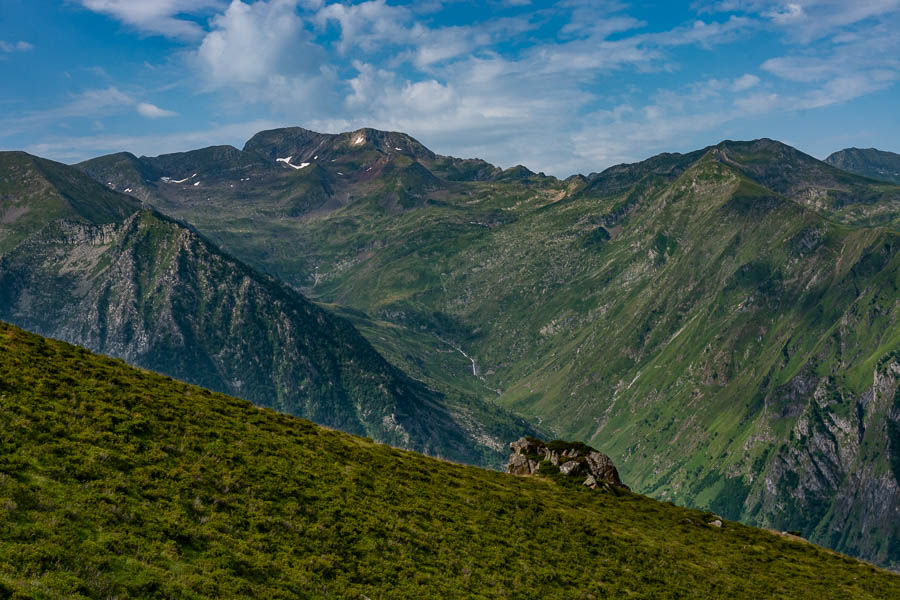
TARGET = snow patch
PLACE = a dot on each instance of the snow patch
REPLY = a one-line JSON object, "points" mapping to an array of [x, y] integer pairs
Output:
{"points": [[170, 180], [287, 161], [396, 148], [127, 190], [359, 140], [196, 183]]}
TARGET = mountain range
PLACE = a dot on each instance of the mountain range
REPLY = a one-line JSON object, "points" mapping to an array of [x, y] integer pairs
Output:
{"points": [[723, 323], [89, 265]]}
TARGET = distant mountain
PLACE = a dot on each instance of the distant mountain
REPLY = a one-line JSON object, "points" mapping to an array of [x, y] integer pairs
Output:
{"points": [[722, 323], [85, 264], [118, 483], [869, 162]]}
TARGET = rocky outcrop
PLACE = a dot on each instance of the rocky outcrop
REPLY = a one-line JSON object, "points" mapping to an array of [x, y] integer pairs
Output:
{"points": [[573, 459]]}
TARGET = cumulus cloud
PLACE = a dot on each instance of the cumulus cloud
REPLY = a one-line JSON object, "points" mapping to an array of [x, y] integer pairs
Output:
{"points": [[263, 51], [152, 111], [368, 24]]}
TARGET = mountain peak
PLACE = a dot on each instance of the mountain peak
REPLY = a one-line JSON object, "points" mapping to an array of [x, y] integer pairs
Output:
{"points": [[37, 191], [868, 162], [303, 145]]}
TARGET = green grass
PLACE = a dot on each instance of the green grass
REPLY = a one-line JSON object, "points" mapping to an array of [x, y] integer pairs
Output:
{"points": [[116, 482]]}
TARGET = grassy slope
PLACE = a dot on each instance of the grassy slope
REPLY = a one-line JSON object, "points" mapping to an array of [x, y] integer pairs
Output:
{"points": [[116, 482]]}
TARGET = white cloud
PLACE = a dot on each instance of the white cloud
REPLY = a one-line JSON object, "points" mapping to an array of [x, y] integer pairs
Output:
{"points": [[787, 15], [158, 17], [19, 46], [367, 25], [805, 21], [745, 82], [145, 109], [373, 25], [263, 51], [758, 103]]}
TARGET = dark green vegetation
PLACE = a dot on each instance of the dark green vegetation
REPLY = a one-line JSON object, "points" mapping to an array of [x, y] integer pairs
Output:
{"points": [[82, 263], [116, 482], [868, 162], [723, 324]]}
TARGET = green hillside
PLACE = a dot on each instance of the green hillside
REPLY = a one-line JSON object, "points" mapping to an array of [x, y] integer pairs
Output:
{"points": [[724, 323], [117, 482], [34, 191]]}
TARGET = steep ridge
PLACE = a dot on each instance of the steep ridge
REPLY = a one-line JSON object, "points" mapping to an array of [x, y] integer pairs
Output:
{"points": [[868, 162], [117, 482], [154, 292], [848, 198], [724, 320]]}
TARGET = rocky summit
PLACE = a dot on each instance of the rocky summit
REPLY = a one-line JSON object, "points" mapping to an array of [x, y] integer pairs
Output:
{"points": [[531, 456]]}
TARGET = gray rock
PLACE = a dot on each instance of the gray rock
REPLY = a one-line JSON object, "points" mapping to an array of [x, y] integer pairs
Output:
{"points": [[572, 467], [520, 465], [572, 461]]}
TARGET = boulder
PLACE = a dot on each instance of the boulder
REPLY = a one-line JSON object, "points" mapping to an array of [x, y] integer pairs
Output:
{"points": [[574, 459]]}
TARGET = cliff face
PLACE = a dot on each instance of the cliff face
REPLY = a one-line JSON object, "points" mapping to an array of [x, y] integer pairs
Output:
{"points": [[837, 475]]}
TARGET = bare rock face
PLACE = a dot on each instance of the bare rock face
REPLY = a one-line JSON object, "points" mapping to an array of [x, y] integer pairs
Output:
{"points": [[573, 459]]}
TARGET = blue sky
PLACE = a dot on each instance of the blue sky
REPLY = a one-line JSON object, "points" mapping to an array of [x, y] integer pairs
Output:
{"points": [[561, 87]]}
